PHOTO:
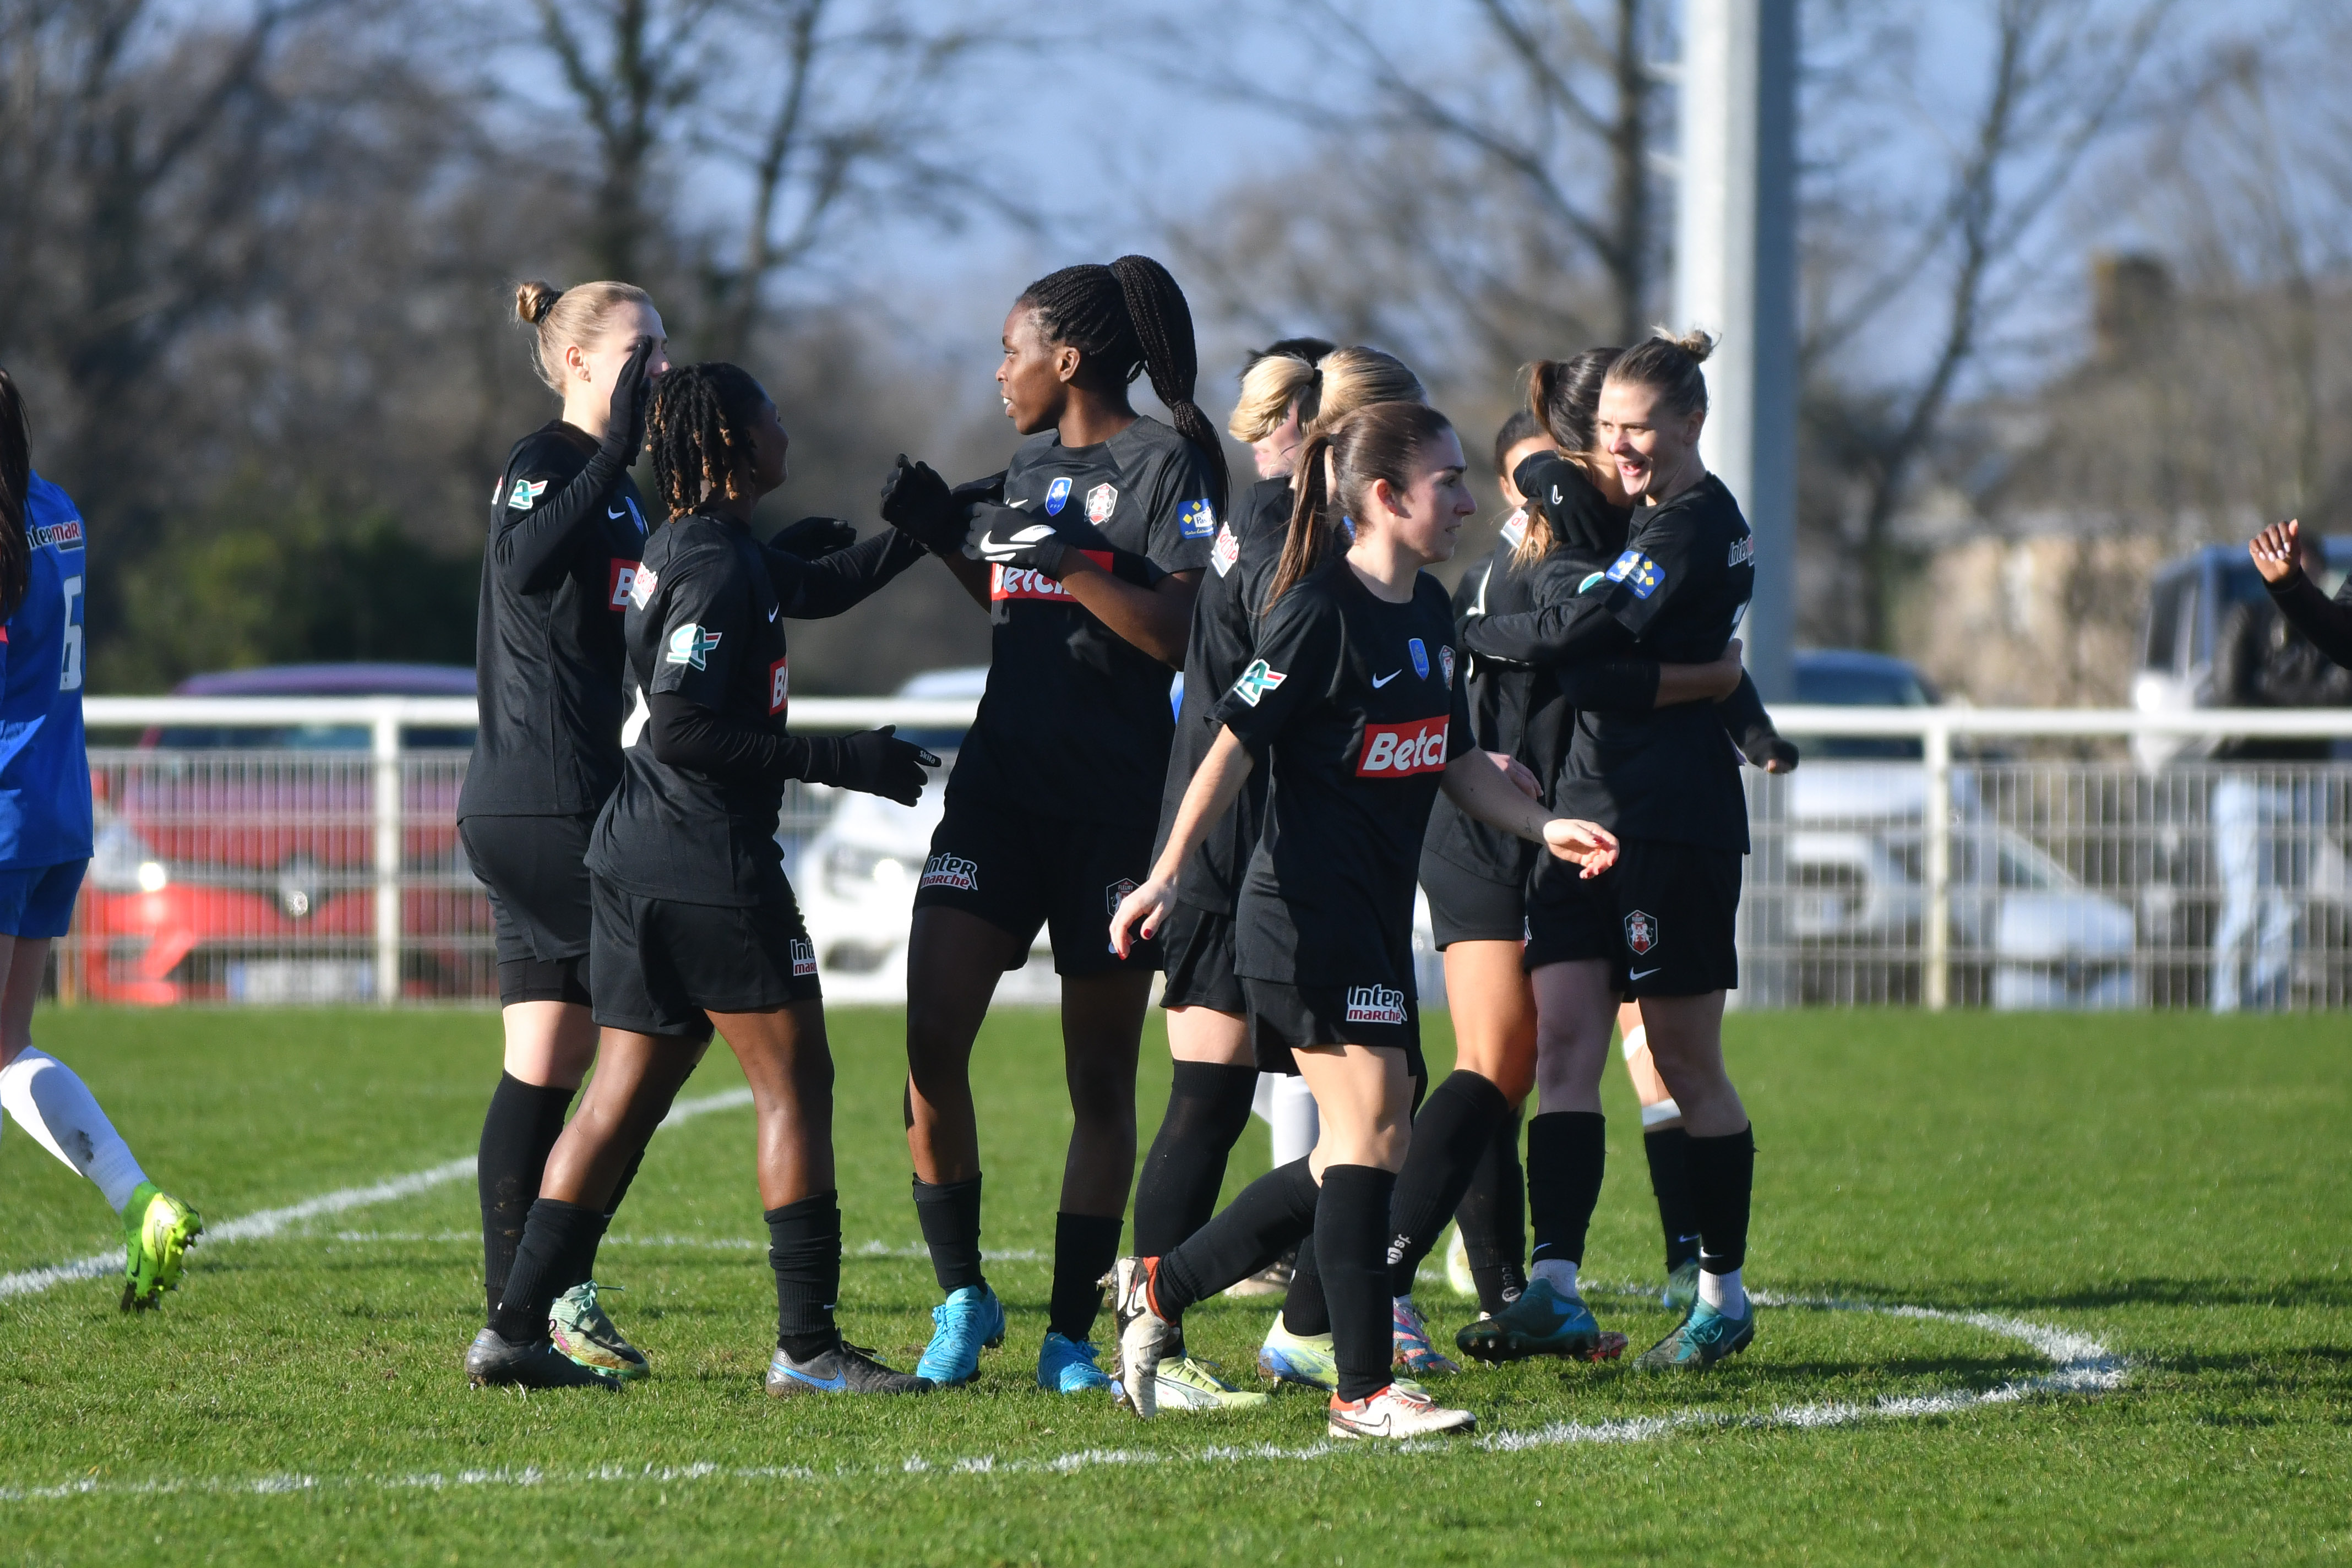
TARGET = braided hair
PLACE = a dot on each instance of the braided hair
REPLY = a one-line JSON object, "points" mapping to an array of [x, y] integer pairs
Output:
{"points": [[1131, 318], [16, 484], [697, 430]]}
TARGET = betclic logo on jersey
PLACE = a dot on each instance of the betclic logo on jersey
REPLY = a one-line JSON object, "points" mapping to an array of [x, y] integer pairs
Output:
{"points": [[624, 585], [803, 959], [780, 686], [1376, 1004], [1028, 583], [1399, 751], [951, 871]]}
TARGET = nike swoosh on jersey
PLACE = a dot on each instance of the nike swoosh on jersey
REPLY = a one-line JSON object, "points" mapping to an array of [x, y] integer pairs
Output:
{"points": [[1381, 680], [772, 613], [1645, 974], [617, 511]]}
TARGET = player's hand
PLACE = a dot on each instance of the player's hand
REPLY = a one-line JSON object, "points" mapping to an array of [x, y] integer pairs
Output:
{"points": [[1141, 915], [2278, 550], [625, 422], [916, 500], [1587, 844], [813, 537], [1522, 777], [1009, 536], [876, 761], [1767, 748]]}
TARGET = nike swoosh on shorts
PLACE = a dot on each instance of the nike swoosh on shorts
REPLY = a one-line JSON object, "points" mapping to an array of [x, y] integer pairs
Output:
{"points": [[1644, 973]]}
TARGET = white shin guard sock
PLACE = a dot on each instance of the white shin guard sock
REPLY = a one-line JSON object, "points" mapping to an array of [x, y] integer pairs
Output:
{"points": [[1724, 1292], [1558, 1273], [55, 1107]]}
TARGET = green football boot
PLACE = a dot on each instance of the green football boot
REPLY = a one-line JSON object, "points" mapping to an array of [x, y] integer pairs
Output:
{"points": [[157, 1231], [1188, 1384], [580, 1328], [1540, 1322], [1701, 1339]]}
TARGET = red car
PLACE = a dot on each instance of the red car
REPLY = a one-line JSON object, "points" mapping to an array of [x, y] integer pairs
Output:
{"points": [[237, 862]]}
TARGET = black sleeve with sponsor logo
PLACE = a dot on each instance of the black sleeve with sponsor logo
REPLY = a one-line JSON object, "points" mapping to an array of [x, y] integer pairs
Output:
{"points": [[705, 605], [552, 489], [1569, 622], [1300, 650], [832, 585], [1182, 516]]}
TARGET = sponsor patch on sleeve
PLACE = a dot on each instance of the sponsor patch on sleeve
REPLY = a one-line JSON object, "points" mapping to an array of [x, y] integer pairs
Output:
{"points": [[1226, 550], [1515, 528], [1198, 519], [1743, 548], [642, 586], [1256, 682], [690, 645], [525, 494], [1637, 572]]}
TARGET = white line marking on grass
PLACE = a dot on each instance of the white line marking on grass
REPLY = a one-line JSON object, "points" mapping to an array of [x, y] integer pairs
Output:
{"points": [[270, 1222], [2080, 1365]]}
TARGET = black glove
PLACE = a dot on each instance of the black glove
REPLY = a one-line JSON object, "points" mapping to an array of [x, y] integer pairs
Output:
{"points": [[973, 492], [624, 426], [813, 537], [1013, 536], [1762, 744], [916, 500], [873, 762]]}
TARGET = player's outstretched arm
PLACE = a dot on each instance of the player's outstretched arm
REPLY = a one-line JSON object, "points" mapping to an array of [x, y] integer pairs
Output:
{"points": [[2278, 556], [1486, 793], [1207, 798]]}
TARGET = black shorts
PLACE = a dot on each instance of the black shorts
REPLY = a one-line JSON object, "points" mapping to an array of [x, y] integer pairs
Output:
{"points": [[1019, 871], [1197, 945], [662, 967], [1664, 917], [1466, 907], [1284, 1018], [535, 870]]}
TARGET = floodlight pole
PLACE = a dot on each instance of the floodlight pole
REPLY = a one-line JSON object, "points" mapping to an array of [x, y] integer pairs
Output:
{"points": [[1735, 275]]}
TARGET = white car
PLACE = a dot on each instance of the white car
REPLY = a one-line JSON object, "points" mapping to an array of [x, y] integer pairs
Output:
{"points": [[857, 876]]}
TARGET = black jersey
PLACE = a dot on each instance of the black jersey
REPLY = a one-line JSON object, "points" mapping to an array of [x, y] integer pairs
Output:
{"points": [[1076, 720], [705, 621], [562, 549], [1676, 594], [1359, 704], [1223, 640]]}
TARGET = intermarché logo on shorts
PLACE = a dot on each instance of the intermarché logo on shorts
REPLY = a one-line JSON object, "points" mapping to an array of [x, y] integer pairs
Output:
{"points": [[951, 871], [1375, 1004]]}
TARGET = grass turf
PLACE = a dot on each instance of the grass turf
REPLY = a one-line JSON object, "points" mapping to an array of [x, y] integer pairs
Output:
{"points": [[2174, 1187]]}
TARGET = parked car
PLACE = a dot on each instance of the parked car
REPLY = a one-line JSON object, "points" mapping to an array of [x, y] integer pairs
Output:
{"points": [[252, 878]]}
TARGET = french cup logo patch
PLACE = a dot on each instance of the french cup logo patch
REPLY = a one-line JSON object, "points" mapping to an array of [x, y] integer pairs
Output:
{"points": [[1256, 682], [1376, 1004], [1398, 750], [1641, 932], [1101, 501], [691, 645], [623, 586], [780, 686], [1198, 519], [1226, 550], [526, 494], [1058, 496], [803, 959], [951, 871]]}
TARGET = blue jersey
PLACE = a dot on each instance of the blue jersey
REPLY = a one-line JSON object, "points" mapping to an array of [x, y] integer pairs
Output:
{"points": [[44, 767]]}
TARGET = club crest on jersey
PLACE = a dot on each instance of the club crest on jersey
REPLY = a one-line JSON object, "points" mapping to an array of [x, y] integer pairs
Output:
{"points": [[1399, 751], [1225, 550], [1376, 1004], [1198, 519], [1637, 572], [642, 584], [624, 585], [691, 645], [1256, 682], [1515, 528], [525, 494], [1101, 501], [1641, 932], [803, 959], [1743, 548], [951, 871], [1420, 657], [780, 686], [1445, 664], [1058, 496], [1115, 894]]}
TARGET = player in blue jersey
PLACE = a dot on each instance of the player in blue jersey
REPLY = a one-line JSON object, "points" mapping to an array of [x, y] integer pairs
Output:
{"points": [[45, 842]]}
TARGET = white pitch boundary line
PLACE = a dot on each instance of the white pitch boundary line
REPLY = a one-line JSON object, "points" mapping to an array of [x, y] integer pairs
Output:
{"points": [[2080, 1365], [271, 1222]]}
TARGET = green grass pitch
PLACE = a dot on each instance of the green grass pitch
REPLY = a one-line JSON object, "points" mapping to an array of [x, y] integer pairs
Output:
{"points": [[2172, 1187]]}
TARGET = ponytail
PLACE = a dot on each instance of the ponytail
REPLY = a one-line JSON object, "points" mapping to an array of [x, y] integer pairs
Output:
{"points": [[1338, 463], [577, 317], [1132, 317], [15, 489], [1312, 537]]}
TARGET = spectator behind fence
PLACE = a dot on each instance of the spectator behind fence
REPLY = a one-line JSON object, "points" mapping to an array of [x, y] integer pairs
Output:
{"points": [[2265, 828]]}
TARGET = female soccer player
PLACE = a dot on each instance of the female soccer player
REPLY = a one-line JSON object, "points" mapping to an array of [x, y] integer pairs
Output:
{"points": [[1355, 698], [696, 926], [566, 529], [45, 845], [1087, 569], [1660, 926], [1216, 1075]]}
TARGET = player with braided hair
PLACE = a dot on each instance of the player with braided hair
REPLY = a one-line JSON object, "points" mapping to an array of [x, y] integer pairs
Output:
{"points": [[1085, 552], [696, 926]]}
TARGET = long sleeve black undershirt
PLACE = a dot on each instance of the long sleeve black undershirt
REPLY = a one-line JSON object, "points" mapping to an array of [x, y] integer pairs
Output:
{"points": [[2326, 621], [530, 552], [733, 751], [832, 585]]}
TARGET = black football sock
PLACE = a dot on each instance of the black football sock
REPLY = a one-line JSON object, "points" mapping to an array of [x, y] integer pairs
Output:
{"points": [[1085, 1246], [1246, 1234], [804, 1249], [553, 1238], [1208, 1107], [1304, 1313], [950, 1214], [1723, 1179], [1450, 1137], [1567, 1151], [1351, 1226], [1668, 1149], [1494, 1219], [522, 1124]]}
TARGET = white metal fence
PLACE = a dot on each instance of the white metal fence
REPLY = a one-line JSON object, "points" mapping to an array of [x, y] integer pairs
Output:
{"points": [[1979, 871]]}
